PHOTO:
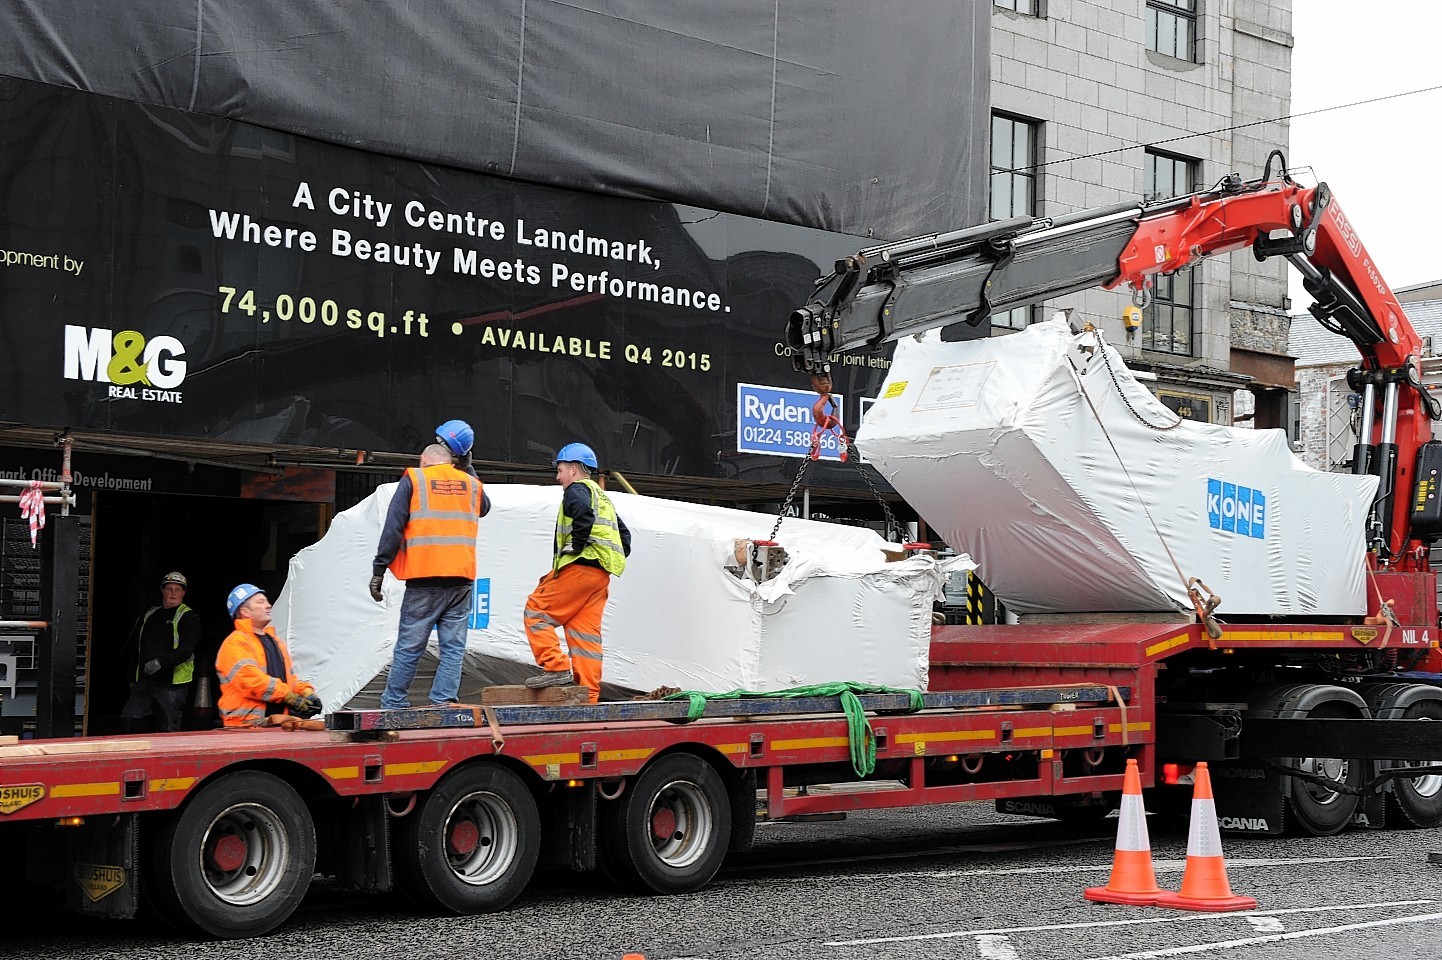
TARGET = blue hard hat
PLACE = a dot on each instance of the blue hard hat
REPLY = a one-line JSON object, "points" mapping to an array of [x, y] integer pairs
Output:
{"points": [[237, 597], [457, 435], [576, 453]]}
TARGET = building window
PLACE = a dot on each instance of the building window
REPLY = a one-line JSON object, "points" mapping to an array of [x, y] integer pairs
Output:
{"points": [[1172, 28], [1013, 188], [1168, 176], [1167, 319], [1030, 8], [1167, 322]]}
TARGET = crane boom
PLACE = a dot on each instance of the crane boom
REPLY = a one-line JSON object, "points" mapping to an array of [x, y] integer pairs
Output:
{"points": [[957, 280]]}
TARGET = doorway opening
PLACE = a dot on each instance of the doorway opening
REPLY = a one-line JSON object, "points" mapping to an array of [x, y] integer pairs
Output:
{"points": [[217, 542]]}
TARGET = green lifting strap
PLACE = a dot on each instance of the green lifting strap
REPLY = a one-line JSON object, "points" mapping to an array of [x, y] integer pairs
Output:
{"points": [[858, 728]]}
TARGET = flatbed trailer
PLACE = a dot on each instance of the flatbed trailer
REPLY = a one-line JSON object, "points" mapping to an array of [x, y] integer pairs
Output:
{"points": [[220, 832]]}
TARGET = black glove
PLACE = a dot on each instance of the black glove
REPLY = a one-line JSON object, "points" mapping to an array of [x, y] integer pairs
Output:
{"points": [[304, 706], [569, 549], [376, 593], [151, 668]]}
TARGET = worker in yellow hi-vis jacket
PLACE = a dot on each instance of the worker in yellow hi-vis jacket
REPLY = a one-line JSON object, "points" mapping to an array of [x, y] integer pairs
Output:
{"points": [[591, 546]]}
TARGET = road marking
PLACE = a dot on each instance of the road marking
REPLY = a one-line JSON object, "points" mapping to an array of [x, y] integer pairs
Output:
{"points": [[1136, 921], [1159, 866], [1274, 938], [1266, 924], [991, 946]]}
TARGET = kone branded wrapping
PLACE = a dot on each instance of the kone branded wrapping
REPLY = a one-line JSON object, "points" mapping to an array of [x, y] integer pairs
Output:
{"points": [[676, 617], [1075, 489]]}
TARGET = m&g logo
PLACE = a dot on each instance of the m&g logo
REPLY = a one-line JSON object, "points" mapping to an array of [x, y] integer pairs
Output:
{"points": [[135, 368], [1236, 509]]}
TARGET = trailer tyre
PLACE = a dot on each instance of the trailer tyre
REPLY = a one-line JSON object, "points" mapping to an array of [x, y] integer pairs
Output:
{"points": [[473, 844], [237, 859], [1316, 810], [670, 830], [1417, 801]]}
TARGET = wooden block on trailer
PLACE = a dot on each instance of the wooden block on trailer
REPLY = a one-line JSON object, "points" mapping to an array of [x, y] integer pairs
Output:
{"points": [[51, 748], [520, 695]]}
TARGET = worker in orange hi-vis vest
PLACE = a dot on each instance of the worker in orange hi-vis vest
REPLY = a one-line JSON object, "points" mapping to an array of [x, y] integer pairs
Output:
{"points": [[256, 676], [591, 546], [429, 541]]}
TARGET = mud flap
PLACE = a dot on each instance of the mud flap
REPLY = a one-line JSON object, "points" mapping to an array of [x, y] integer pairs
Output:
{"points": [[1249, 797], [745, 810], [100, 859], [1372, 811], [1028, 807], [568, 829], [1057, 808], [361, 844]]}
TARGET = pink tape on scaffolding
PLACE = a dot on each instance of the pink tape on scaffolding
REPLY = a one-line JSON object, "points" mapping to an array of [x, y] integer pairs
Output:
{"points": [[32, 508]]}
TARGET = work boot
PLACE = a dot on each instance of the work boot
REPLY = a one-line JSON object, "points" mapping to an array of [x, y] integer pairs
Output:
{"points": [[551, 678]]}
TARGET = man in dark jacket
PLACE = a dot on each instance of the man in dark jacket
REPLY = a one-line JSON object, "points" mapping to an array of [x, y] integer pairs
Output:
{"points": [[164, 640]]}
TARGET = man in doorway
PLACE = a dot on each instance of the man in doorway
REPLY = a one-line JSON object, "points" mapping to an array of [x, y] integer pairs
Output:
{"points": [[257, 679], [429, 541], [164, 638], [591, 546]]}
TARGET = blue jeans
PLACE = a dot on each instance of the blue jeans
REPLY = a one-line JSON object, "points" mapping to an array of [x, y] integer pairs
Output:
{"points": [[445, 608]]}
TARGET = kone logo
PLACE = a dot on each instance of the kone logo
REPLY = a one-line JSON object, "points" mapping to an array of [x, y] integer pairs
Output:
{"points": [[1236, 509], [137, 369]]}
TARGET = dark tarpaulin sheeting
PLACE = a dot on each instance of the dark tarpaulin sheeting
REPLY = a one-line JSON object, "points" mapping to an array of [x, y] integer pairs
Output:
{"points": [[862, 118]]}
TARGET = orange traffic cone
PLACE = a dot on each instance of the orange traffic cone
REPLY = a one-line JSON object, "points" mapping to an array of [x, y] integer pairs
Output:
{"points": [[1132, 881], [1204, 882]]}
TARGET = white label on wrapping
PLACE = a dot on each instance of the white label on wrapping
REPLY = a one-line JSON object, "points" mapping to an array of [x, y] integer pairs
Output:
{"points": [[954, 386]]}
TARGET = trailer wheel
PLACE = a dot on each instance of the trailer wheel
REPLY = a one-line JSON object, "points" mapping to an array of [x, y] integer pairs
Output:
{"points": [[669, 832], [237, 859], [473, 844], [1319, 810], [1417, 801]]}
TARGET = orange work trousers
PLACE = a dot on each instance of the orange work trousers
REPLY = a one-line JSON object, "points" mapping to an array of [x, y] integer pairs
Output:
{"points": [[573, 599]]}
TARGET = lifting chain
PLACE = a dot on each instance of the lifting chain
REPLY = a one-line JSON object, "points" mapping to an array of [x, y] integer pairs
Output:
{"points": [[790, 496], [1106, 361], [822, 384], [893, 526]]}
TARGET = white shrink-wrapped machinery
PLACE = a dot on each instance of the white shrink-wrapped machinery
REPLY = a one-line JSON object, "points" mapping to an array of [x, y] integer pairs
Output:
{"points": [[838, 610], [1073, 487]]}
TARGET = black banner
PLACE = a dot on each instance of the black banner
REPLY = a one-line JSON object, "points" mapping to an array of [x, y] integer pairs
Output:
{"points": [[178, 274]]}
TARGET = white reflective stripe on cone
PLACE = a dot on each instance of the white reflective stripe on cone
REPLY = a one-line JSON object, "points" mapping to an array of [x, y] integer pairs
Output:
{"points": [[1132, 824], [1204, 838]]}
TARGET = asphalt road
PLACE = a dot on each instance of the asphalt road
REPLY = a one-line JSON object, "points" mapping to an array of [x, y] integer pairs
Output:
{"points": [[948, 882]]}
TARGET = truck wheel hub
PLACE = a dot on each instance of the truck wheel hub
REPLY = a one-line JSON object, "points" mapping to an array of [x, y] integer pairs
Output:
{"points": [[663, 823], [465, 837], [229, 853]]}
